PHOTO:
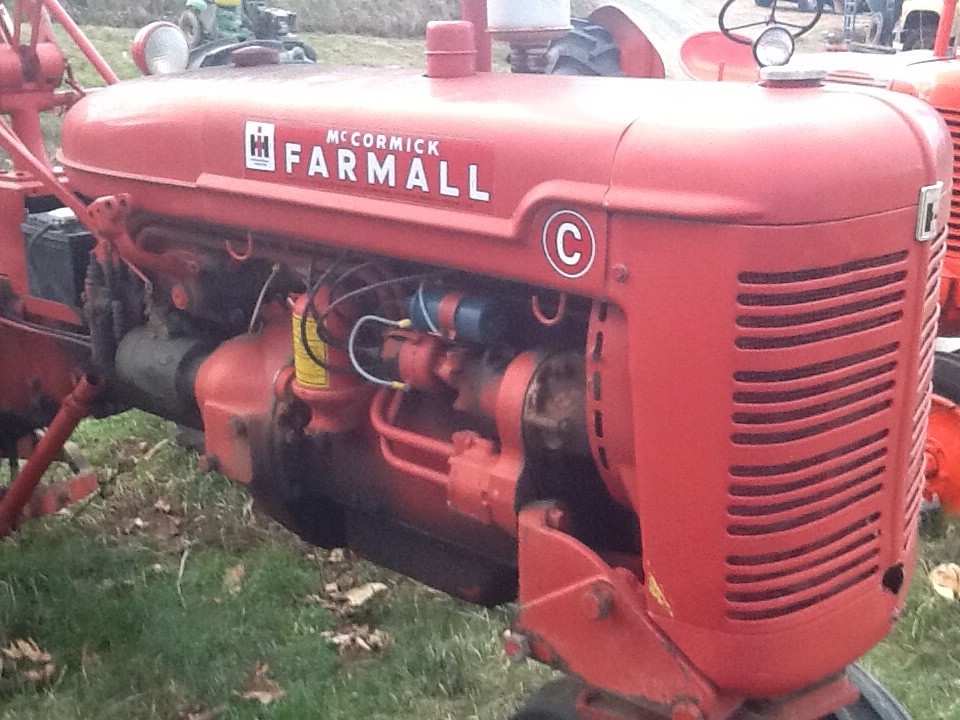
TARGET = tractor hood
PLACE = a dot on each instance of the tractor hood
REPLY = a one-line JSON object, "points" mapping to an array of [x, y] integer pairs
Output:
{"points": [[479, 155]]}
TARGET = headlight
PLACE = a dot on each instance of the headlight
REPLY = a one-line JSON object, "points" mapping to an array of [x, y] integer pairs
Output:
{"points": [[160, 48], [773, 47]]}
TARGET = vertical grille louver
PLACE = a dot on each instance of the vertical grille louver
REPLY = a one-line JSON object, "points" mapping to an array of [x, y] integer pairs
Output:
{"points": [[928, 336], [829, 419], [952, 118]]}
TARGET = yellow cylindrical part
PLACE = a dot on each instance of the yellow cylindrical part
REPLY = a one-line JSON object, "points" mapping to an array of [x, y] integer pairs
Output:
{"points": [[228, 3], [307, 370]]}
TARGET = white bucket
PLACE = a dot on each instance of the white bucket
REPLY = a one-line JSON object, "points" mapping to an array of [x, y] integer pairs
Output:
{"points": [[527, 15]]}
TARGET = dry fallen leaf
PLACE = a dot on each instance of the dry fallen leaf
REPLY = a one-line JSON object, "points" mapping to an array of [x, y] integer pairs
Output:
{"points": [[40, 675], [357, 639], [945, 579], [359, 596], [162, 505], [233, 579], [26, 650], [261, 688], [28, 662]]}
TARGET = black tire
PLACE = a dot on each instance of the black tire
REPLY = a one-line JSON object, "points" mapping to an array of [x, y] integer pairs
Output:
{"points": [[586, 50], [875, 703], [558, 701], [946, 376]]}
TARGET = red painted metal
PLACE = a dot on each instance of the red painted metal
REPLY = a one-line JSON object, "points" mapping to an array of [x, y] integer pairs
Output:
{"points": [[57, 496], [451, 50], [620, 650], [475, 12], [942, 462], [941, 43], [638, 55], [83, 43], [383, 414], [74, 408], [732, 397]]}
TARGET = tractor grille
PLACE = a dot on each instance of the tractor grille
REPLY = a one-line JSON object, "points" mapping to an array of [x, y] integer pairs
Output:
{"points": [[928, 338], [811, 432], [952, 119]]}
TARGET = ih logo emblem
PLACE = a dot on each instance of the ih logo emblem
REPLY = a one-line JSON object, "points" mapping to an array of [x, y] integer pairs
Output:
{"points": [[261, 146], [569, 243]]}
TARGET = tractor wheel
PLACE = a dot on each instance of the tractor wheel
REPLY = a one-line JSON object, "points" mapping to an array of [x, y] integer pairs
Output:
{"points": [[558, 701], [946, 376], [189, 24], [586, 50], [875, 703]]}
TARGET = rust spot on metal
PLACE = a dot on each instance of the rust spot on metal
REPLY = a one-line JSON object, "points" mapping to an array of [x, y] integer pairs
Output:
{"points": [[656, 592]]}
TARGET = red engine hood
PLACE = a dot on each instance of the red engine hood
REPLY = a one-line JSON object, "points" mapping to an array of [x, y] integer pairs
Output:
{"points": [[480, 155]]}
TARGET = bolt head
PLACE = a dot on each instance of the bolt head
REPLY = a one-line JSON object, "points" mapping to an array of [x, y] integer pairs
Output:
{"points": [[598, 601], [555, 518]]}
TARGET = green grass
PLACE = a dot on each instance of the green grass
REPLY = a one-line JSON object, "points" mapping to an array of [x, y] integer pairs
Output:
{"points": [[920, 660], [91, 582]]}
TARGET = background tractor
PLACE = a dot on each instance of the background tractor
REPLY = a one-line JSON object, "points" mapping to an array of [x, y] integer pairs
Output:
{"points": [[919, 20], [470, 325], [215, 29]]}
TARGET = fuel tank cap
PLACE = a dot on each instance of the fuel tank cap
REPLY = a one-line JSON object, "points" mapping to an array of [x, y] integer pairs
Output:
{"points": [[787, 77]]}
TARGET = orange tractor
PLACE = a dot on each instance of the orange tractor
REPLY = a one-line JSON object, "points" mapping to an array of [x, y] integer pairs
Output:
{"points": [[583, 343]]}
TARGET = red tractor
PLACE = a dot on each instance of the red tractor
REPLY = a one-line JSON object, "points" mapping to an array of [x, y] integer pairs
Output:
{"points": [[932, 76], [583, 342]]}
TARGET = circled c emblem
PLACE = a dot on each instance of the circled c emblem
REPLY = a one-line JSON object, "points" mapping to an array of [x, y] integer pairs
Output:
{"points": [[569, 243]]}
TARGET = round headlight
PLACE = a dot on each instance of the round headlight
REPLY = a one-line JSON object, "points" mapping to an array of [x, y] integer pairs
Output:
{"points": [[773, 47], [160, 48]]}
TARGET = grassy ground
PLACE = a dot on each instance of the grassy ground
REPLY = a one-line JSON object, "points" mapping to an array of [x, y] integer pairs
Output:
{"points": [[920, 660], [139, 599]]}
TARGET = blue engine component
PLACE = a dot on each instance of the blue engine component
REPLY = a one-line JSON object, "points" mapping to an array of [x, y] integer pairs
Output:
{"points": [[475, 319]]}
